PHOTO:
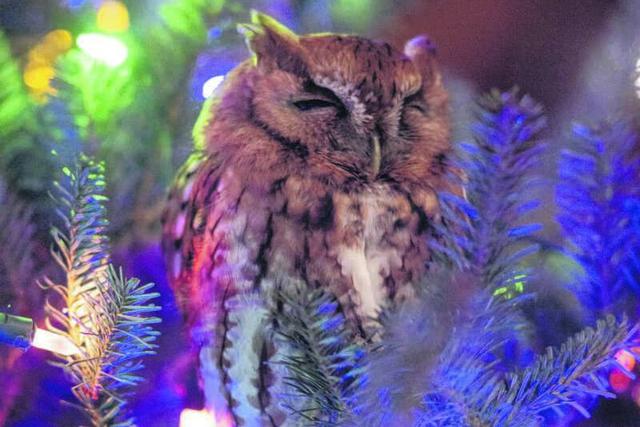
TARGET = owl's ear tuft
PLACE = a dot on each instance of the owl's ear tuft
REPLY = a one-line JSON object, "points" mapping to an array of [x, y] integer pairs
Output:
{"points": [[422, 52], [273, 44]]}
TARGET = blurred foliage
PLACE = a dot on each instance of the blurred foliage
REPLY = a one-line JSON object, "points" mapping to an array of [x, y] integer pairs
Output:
{"points": [[599, 202], [131, 116], [18, 289]]}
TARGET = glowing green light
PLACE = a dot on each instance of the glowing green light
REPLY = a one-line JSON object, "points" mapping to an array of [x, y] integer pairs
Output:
{"points": [[517, 286], [106, 49], [500, 291], [356, 13]]}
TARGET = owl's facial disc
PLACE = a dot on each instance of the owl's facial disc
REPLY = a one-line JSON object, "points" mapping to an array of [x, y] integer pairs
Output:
{"points": [[346, 105]]}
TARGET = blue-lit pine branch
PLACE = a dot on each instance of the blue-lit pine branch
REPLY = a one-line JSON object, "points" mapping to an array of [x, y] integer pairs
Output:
{"points": [[324, 361], [467, 373], [599, 201], [105, 315], [562, 378], [486, 233]]}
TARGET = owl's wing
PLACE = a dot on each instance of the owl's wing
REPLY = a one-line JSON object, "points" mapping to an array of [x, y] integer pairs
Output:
{"points": [[184, 220], [210, 253]]}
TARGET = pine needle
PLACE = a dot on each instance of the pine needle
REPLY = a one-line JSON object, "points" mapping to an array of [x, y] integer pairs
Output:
{"points": [[105, 315]]}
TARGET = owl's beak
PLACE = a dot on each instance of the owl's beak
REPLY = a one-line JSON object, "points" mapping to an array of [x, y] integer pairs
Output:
{"points": [[376, 155]]}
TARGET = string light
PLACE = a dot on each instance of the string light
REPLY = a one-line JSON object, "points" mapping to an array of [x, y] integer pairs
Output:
{"points": [[203, 418], [112, 16], [196, 418], [21, 332], [38, 78], [106, 49], [46, 340], [516, 284]]}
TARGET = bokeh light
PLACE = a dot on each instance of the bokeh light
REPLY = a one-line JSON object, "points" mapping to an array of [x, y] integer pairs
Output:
{"points": [[39, 69], [626, 359], [101, 47], [58, 41], [638, 78], [112, 16], [37, 78], [211, 85], [619, 381]]}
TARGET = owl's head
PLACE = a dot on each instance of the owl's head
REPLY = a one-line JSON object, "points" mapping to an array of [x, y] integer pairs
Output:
{"points": [[345, 109]]}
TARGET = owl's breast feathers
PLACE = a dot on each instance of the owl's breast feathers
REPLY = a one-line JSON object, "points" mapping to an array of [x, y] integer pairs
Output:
{"points": [[226, 233]]}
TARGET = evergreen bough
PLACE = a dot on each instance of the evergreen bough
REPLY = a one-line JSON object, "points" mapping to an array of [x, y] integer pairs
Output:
{"points": [[599, 210], [104, 314]]}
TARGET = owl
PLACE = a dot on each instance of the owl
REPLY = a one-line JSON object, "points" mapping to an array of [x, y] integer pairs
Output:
{"points": [[317, 159]]}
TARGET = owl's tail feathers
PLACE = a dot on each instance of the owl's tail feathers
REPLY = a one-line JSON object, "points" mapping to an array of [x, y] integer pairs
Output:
{"points": [[239, 372]]}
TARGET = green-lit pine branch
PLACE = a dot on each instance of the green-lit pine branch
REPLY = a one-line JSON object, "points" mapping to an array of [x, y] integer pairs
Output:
{"points": [[103, 314], [324, 360]]}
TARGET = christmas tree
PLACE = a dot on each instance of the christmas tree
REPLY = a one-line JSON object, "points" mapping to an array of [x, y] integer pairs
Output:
{"points": [[95, 118]]}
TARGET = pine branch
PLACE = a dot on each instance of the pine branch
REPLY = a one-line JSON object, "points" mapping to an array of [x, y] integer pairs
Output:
{"points": [[469, 367], [458, 373], [324, 359], [104, 315], [120, 322], [600, 213], [486, 234], [467, 390], [82, 250], [562, 377]]}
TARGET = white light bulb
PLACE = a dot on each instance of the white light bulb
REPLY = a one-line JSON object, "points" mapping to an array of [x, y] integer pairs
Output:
{"points": [[211, 85], [53, 342], [196, 418], [106, 49]]}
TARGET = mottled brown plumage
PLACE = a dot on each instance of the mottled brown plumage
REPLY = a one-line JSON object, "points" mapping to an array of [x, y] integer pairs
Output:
{"points": [[320, 159]]}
